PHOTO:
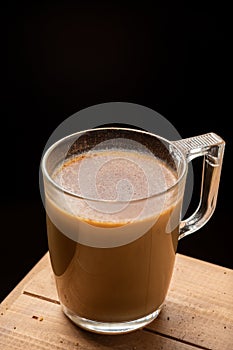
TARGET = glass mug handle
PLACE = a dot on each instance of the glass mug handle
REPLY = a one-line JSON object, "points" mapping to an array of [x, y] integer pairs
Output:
{"points": [[211, 147]]}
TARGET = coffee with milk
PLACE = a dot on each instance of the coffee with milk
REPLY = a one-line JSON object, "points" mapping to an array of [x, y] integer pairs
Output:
{"points": [[113, 264]]}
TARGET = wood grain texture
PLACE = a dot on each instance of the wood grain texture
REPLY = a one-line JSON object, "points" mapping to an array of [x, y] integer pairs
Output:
{"points": [[199, 305], [35, 324], [198, 314]]}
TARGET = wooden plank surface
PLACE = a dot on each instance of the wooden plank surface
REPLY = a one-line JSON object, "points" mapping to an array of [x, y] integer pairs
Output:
{"points": [[198, 314], [36, 324], [199, 306]]}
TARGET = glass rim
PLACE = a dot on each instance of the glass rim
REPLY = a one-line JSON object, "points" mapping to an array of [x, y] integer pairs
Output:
{"points": [[47, 153]]}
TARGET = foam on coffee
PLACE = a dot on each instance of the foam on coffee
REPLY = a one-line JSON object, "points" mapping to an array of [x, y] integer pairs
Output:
{"points": [[113, 183]]}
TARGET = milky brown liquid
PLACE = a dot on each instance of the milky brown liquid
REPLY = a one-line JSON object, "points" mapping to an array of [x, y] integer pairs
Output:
{"points": [[127, 281]]}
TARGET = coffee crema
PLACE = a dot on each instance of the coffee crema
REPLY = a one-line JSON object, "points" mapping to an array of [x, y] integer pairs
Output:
{"points": [[113, 248]]}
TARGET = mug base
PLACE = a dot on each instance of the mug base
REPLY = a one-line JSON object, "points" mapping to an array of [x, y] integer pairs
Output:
{"points": [[110, 327]]}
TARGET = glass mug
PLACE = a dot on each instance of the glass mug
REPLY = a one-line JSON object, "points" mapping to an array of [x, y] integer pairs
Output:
{"points": [[113, 199]]}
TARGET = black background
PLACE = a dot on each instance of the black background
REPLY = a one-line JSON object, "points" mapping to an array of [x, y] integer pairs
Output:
{"points": [[65, 57]]}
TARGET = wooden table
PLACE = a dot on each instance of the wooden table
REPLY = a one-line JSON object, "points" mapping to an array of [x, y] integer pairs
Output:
{"points": [[198, 314]]}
